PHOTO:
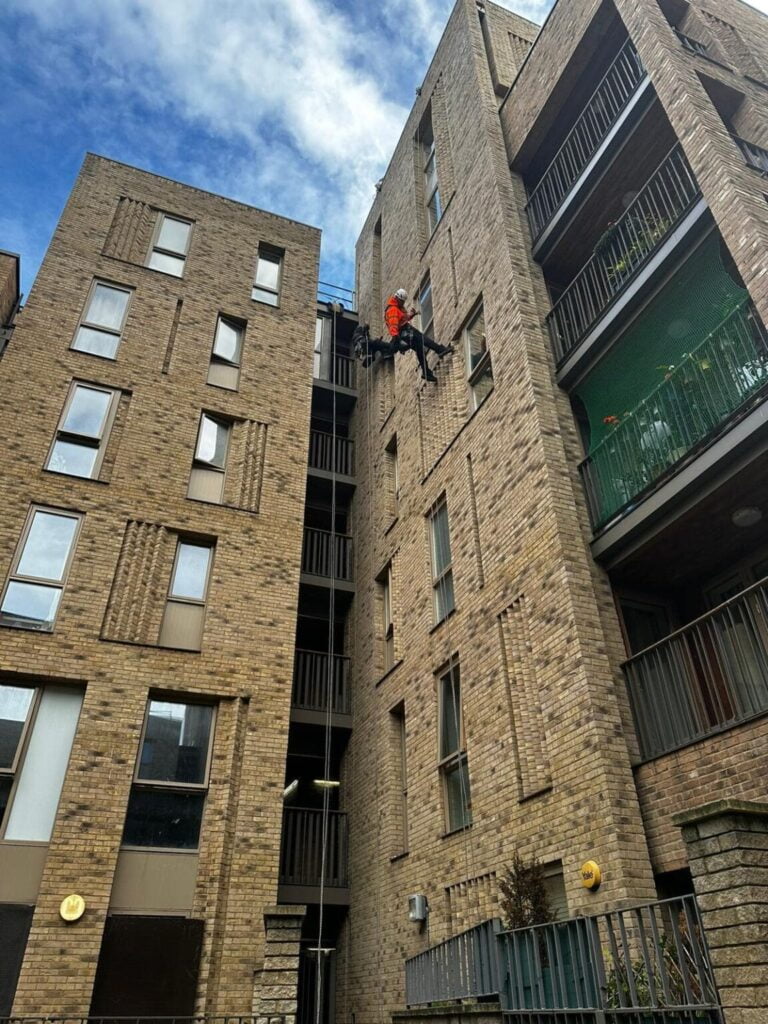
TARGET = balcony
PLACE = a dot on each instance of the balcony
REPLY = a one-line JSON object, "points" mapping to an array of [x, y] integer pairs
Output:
{"points": [[624, 249], [331, 454], [601, 114], [301, 856], [335, 294], [754, 156], [693, 403], [327, 555], [320, 687], [338, 370], [704, 678]]}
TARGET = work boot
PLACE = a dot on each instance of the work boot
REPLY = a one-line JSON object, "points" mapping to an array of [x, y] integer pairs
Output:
{"points": [[445, 350], [429, 376]]}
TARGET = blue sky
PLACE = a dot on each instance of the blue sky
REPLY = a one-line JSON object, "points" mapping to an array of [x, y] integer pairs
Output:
{"points": [[291, 105]]}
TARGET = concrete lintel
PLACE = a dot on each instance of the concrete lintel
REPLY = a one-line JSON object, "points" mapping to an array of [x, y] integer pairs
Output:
{"points": [[721, 808]]}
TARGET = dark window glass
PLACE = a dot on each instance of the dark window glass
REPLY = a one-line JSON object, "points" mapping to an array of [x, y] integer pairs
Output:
{"points": [[175, 745], [15, 702], [5, 791], [164, 818]]}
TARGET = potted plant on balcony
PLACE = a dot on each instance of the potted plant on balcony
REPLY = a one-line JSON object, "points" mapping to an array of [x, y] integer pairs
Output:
{"points": [[626, 242]]}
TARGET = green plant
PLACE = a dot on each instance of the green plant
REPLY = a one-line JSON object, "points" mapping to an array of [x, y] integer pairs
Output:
{"points": [[523, 894], [664, 958]]}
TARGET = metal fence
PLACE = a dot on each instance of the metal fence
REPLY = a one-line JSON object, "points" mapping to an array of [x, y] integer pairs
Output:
{"points": [[332, 454], [326, 554], [642, 965], [707, 676], [662, 202], [327, 292], [339, 370], [595, 121], [755, 156], [463, 966], [318, 685], [691, 403], [301, 851]]}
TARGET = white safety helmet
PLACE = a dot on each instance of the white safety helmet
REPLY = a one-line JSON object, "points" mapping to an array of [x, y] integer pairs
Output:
{"points": [[401, 294]]}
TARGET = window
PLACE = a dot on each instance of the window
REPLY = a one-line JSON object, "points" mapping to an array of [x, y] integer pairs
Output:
{"points": [[442, 572], [169, 250], [387, 626], [185, 607], [82, 431], [452, 751], [171, 778], [206, 482], [39, 570], [103, 320], [426, 314], [269, 267], [431, 187], [224, 368], [479, 369], [393, 474], [399, 779], [37, 729]]}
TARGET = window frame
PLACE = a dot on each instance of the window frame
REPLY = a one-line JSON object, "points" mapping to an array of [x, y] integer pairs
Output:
{"points": [[385, 579], [265, 251], [162, 786], [484, 365], [439, 577], [14, 771], [432, 201], [84, 440], [193, 602], [393, 468], [85, 322], [155, 247], [221, 363], [13, 574], [454, 760], [202, 470], [427, 328]]}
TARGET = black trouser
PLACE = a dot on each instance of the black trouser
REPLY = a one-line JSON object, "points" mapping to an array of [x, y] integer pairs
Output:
{"points": [[418, 342]]}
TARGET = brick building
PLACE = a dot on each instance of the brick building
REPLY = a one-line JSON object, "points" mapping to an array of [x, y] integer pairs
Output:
{"points": [[552, 638], [541, 667]]}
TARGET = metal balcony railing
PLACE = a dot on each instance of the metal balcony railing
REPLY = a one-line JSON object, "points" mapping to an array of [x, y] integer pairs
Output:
{"points": [[692, 45], [692, 402], [323, 447], [595, 121], [622, 251], [755, 156], [327, 292], [463, 967], [301, 851], [320, 682], [326, 554], [339, 370], [708, 676]]}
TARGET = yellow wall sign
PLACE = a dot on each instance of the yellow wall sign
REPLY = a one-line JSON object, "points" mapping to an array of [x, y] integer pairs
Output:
{"points": [[590, 875], [72, 908]]}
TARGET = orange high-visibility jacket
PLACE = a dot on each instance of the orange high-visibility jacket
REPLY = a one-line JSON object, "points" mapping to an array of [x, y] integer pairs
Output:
{"points": [[395, 316]]}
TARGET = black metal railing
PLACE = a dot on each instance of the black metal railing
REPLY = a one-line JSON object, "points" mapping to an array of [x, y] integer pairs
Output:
{"points": [[326, 554], [643, 964], [320, 682], [755, 156], [464, 966], [301, 851], [691, 403], [339, 370], [706, 677], [692, 45], [595, 121], [665, 198], [327, 292], [333, 454]]}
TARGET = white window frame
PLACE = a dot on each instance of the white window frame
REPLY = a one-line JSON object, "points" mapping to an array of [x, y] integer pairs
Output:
{"points": [[224, 372], [442, 578], [14, 576], [432, 201], [450, 761], [393, 465], [176, 254], [207, 479], [174, 600], [270, 254], [109, 331], [98, 442], [427, 326], [483, 367], [387, 623], [13, 771]]}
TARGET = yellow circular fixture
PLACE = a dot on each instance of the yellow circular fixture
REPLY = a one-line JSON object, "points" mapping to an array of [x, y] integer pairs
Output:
{"points": [[591, 875], [72, 908]]}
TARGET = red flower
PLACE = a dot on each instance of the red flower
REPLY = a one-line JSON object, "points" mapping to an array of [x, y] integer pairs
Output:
{"points": [[610, 419]]}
